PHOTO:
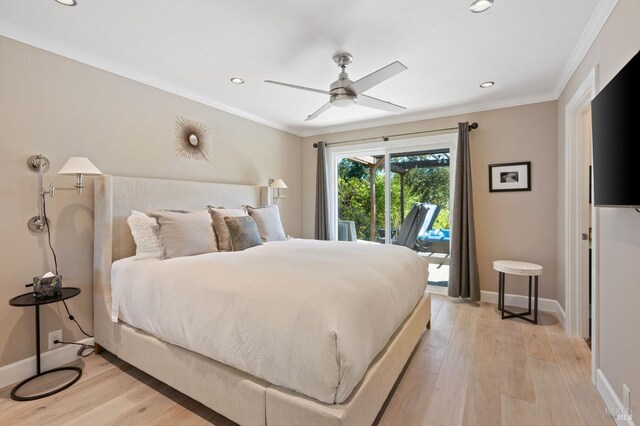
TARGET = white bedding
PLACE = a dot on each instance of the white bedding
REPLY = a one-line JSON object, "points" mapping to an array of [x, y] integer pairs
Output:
{"points": [[303, 314]]}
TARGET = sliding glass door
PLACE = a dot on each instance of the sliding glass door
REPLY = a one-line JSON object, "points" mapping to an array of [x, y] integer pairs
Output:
{"points": [[396, 193]]}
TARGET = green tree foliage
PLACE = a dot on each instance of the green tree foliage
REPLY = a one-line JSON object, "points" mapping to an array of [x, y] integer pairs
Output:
{"points": [[421, 185], [431, 185]]}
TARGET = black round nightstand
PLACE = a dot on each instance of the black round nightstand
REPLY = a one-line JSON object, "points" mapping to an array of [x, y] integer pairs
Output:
{"points": [[27, 299]]}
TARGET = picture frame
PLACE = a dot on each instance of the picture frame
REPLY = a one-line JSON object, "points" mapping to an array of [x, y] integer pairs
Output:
{"points": [[508, 177]]}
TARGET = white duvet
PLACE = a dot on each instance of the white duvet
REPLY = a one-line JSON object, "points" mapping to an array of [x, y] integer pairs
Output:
{"points": [[303, 314]]}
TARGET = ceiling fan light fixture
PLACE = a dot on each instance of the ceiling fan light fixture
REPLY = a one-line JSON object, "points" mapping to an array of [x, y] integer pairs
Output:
{"points": [[479, 6], [67, 2], [237, 80], [487, 84], [343, 100]]}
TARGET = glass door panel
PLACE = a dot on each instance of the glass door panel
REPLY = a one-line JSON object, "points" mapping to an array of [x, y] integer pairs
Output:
{"points": [[419, 196]]}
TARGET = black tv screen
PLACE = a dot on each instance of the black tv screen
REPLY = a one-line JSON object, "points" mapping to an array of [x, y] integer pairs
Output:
{"points": [[616, 140]]}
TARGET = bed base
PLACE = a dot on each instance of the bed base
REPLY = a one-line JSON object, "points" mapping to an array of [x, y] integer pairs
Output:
{"points": [[250, 401]]}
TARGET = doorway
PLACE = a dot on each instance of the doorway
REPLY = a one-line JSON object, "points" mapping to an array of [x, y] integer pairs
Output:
{"points": [[374, 188], [580, 239]]}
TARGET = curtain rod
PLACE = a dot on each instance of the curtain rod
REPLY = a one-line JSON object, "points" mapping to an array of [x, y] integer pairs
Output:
{"points": [[472, 126]]}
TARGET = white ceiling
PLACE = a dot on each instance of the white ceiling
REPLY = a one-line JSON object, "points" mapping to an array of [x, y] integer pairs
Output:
{"points": [[193, 47]]}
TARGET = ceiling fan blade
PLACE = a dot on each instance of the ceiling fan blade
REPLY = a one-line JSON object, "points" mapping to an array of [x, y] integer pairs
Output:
{"points": [[322, 109], [370, 102], [376, 77], [293, 86]]}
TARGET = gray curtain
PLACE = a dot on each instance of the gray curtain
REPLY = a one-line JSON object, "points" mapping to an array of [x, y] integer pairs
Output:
{"points": [[322, 200], [464, 280]]}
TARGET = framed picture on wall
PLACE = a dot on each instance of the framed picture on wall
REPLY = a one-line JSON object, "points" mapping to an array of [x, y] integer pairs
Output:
{"points": [[510, 177]]}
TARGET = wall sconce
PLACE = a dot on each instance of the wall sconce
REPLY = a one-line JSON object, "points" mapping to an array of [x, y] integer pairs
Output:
{"points": [[78, 166], [278, 185]]}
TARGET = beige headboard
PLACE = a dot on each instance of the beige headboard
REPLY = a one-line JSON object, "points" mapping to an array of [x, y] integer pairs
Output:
{"points": [[116, 196]]}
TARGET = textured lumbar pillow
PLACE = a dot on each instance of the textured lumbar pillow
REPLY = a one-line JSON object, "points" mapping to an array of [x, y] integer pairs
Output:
{"points": [[268, 221], [185, 233], [220, 227], [243, 232], [145, 233]]}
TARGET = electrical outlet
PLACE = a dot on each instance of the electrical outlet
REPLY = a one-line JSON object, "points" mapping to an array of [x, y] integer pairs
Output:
{"points": [[625, 397], [53, 336]]}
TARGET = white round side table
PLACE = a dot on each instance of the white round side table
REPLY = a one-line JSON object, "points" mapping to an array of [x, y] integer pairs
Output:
{"points": [[513, 267]]}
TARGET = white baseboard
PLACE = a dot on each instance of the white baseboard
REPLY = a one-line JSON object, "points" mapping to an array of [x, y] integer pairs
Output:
{"points": [[545, 305], [611, 400], [20, 370]]}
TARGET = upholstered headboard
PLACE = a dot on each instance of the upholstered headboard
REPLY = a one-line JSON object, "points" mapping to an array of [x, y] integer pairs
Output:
{"points": [[116, 196]]}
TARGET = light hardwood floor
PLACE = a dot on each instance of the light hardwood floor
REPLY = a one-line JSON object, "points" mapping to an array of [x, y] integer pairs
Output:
{"points": [[471, 368]]}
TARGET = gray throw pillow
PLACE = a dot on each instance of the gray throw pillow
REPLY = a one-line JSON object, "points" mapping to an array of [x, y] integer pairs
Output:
{"points": [[220, 227], [268, 221], [185, 233], [243, 232]]}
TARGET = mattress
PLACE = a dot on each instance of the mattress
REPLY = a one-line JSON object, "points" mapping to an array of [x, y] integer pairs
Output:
{"points": [[303, 314]]}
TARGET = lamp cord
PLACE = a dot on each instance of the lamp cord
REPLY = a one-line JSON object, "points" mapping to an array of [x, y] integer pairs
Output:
{"points": [[55, 262]]}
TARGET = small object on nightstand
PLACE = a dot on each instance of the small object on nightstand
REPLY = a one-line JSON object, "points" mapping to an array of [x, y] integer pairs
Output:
{"points": [[28, 299], [47, 286]]}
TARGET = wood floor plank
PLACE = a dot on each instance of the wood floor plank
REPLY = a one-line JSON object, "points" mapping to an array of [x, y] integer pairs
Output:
{"points": [[448, 399], [518, 412], [537, 343], [554, 405], [484, 387], [410, 401], [574, 359], [464, 328], [515, 378], [432, 349], [488, 312]]}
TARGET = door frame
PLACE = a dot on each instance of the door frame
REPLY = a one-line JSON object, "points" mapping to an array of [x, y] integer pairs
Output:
{"points": [[575, 156]]}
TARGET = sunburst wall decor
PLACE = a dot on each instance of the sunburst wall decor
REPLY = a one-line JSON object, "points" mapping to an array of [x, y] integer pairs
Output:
{"points": [[191, 140]]}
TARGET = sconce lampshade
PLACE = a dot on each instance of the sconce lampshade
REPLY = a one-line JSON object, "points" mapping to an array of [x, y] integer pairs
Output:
{"points": [[279, 184], [79, 166]]}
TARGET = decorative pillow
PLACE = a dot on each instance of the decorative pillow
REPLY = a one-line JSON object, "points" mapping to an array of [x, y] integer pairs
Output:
{"points": [[268, 221], [220, 227], [243, 232], [145, 233], [185, 233]]}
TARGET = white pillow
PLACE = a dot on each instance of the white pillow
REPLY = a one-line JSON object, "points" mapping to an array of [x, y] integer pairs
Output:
{"points": [[185, 233], [268, 220], [145, 233]]}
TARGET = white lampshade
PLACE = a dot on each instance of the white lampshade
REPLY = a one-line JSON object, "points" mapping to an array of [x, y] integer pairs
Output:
{"points": [[279, 184], [79, 165]]}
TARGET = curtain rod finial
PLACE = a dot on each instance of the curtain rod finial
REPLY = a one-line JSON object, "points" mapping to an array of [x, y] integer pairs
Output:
{"points": [[473, 125], [315, 144]]}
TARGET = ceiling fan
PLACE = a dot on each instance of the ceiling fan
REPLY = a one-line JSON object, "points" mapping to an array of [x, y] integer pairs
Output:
{"points": [[344, 92]]}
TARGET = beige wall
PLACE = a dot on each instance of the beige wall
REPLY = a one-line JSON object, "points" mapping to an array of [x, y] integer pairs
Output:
{"points": [[513, 225], [61, 108], [618, 229]]}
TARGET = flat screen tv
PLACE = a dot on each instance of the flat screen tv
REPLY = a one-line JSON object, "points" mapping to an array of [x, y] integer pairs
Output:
{"points": [[615, 116]]}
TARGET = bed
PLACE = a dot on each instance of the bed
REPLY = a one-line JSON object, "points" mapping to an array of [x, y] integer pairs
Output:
{"points": [[245, 390]]}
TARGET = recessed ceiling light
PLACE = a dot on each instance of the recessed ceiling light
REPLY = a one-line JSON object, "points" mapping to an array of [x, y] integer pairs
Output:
{"points": [[67, 2], [236, 80], [487, 84], [480, 5]]}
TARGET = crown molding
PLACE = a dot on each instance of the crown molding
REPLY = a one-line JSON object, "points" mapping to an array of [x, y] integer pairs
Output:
{"points": [[44, 43], [428, 115], [595, 24]]}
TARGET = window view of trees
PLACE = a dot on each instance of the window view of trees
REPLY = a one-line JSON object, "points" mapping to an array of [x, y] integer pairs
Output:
{"points": [[421, 184]]}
